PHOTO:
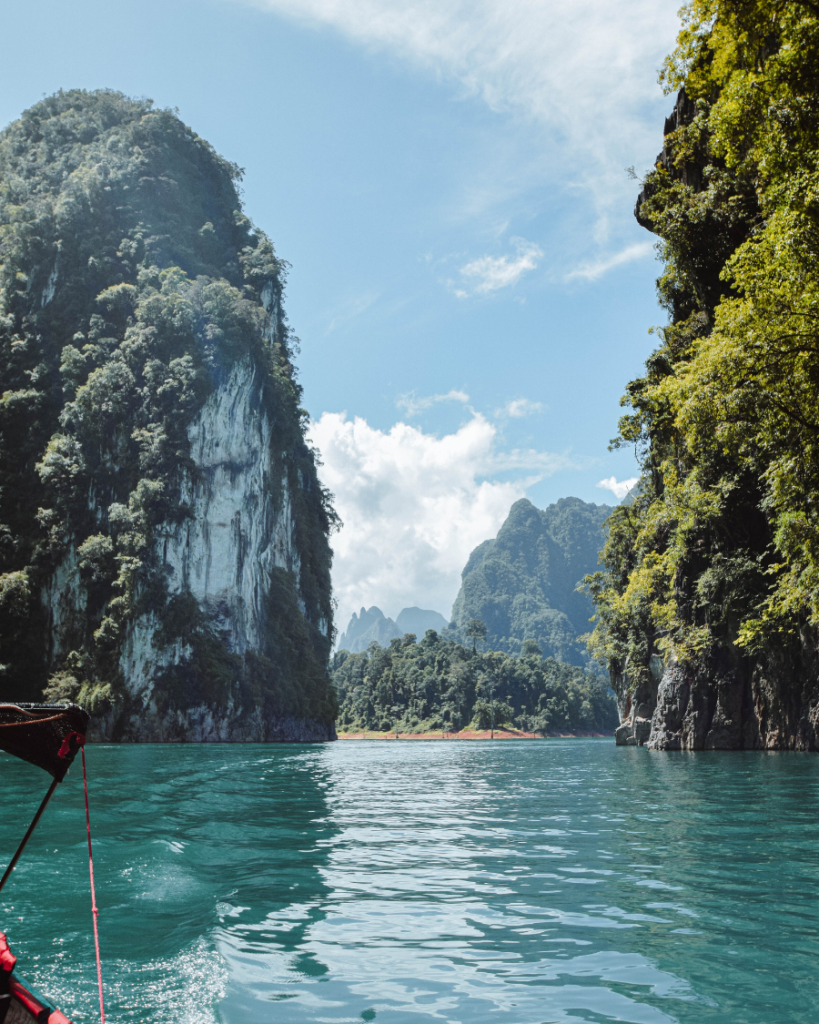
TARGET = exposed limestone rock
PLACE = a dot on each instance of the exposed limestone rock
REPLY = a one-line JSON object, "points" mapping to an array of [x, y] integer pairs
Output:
{"points": [[236, 534], [726, 704], [64, 602], [222, 556], [636, 704]]}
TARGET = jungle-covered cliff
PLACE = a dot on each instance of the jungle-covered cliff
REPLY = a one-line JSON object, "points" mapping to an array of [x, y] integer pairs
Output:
{"points": [[164, 551], [708, 605], [523, 584]]}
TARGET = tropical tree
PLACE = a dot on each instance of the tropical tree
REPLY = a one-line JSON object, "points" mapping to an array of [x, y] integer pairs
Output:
{"points": [[475, 630]]}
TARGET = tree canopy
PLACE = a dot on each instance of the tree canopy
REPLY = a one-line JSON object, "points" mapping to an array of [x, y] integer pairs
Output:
{"points": [[439, 684]]}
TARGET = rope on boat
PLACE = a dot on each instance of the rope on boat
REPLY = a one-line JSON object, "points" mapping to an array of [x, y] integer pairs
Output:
{"points": [[94, 911]]}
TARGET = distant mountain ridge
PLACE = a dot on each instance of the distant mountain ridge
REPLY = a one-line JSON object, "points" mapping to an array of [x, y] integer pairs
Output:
{"points": [[372, 625], [522, 585]]}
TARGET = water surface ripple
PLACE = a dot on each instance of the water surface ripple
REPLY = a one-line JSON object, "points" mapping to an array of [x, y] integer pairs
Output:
{"points": [[523, 882]]}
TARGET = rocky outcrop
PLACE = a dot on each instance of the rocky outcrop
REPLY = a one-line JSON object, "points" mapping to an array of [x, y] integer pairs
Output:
{"points": [[240, 528], [726, 703], [729, 698], [636, 703], [368, 626]]}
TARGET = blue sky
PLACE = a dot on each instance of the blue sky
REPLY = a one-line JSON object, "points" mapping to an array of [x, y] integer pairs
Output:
{"points": [[447, 180]]}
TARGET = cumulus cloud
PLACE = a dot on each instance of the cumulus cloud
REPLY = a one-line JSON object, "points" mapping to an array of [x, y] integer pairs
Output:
{"points": [[415, 505], [576, 68], [491, 273], [596, 268], [619, 488], [412, 404]]}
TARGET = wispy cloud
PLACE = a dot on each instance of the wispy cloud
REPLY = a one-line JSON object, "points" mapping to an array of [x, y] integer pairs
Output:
{"points": [[351, 309], [413, 404], [619, 488], [575, 68], [520, 407], [491, 273], [414, 505], [596, 268]]}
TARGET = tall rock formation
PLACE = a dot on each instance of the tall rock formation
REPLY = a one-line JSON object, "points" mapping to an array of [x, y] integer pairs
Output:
{"points": [[371, 625], [703, 653], [523, 584], [368, 626], [164, 551]]}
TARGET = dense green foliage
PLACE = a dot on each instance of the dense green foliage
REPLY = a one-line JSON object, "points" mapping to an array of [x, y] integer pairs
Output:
{"points": [[721, 547], [130, 283], [440, 684], [523, 584]]}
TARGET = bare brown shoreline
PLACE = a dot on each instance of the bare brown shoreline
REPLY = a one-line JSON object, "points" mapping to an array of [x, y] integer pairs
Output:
{"points": [[466, 734]]}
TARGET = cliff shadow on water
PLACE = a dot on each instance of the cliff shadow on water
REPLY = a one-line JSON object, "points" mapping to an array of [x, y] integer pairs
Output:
{"points": [[164, 554]]}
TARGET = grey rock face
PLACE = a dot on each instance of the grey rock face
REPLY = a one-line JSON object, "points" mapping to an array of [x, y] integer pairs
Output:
{"points": [[636, 702], [727, 702]]}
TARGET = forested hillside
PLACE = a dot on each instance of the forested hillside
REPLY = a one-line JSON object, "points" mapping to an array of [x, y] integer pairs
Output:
{"points": [[439, 684], [163, 535], [709, 603], [524, 583]]}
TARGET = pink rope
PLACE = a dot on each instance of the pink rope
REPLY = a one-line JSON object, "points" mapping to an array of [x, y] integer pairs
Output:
{"points": [[94, 911]]}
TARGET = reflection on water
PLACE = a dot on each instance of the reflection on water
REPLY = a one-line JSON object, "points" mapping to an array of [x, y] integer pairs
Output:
{"points": [[558, 881]]}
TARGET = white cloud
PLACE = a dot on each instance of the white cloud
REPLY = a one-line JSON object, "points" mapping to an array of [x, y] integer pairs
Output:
{"points": [[491, 273], [591, 271], [415, 505], [520, 407], [619, 488], [413, 405], [583, 70]]}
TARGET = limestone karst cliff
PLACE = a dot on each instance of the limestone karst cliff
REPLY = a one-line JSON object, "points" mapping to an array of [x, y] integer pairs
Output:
{"points": [[708, 604], [164, 550], [523, 583]]}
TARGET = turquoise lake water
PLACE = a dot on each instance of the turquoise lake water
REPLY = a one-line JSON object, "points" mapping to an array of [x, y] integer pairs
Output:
{"points": [[519, 882]]}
